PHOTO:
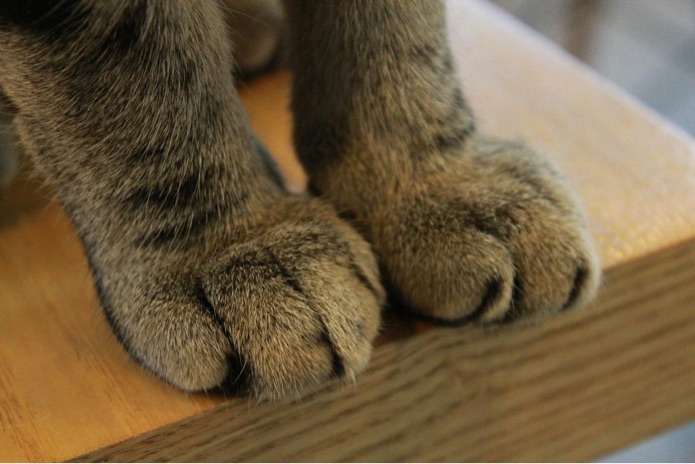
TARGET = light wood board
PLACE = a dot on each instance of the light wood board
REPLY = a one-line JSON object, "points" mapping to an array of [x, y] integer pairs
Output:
{"points": [[572, 389]]}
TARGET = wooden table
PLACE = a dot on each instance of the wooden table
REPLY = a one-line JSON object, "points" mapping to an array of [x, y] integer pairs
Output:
{"points": [[572, 389]]}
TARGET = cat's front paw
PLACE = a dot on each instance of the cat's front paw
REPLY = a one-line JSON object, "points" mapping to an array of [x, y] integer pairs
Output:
{"points": [[491, 236], [292, 304]]}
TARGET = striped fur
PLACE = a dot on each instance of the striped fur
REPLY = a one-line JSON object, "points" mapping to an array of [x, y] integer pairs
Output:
{"points": [[210, 273]]}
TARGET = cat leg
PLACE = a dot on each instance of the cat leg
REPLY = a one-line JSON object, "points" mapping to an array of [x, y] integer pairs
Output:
{"points": [[466, 227], [210, 274]]}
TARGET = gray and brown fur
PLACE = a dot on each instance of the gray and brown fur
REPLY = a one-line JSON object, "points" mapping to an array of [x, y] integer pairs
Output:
{"points": [[214, 277]]}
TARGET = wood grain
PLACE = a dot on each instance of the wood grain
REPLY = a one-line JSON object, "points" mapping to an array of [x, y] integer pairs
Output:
{"points": [[572, 389]]}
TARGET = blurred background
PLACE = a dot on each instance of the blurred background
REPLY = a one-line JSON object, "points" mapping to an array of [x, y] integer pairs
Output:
{"points": [[646, 47]]}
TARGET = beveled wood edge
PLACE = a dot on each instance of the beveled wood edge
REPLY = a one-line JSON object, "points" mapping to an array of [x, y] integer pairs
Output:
{"points": [[157, 444]]}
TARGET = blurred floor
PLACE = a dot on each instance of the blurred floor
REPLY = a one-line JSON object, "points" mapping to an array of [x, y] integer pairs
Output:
{"points": [[647, 47]]}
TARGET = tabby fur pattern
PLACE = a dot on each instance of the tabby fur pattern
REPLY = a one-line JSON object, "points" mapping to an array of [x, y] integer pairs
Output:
{"points": [[211, 274]]}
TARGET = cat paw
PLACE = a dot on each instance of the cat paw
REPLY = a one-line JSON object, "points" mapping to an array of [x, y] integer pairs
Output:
{"points": [[293, 303], [492, 236]]}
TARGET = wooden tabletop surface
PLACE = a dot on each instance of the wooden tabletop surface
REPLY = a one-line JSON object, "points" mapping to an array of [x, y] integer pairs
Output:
{"points": [[571, 389]]}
